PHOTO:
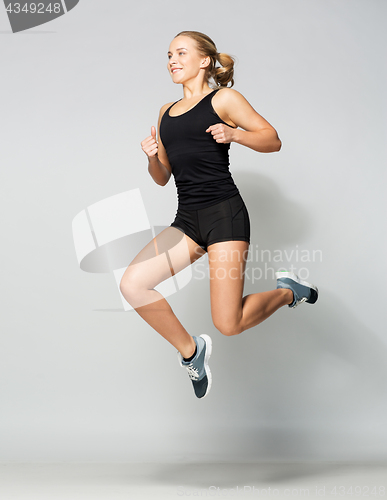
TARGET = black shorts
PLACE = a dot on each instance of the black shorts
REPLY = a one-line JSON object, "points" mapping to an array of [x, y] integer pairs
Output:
{"points": [[224, 221]]}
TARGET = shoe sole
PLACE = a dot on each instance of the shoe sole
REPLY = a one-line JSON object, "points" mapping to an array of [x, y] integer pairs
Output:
{"points": [[208, 342], [295, 278]]}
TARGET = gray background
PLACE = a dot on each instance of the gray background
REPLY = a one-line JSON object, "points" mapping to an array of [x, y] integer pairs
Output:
{"points": [[82, 381]]}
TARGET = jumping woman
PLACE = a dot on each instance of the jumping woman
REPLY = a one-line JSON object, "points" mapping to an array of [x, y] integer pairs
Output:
{"points": [[194, 136]]}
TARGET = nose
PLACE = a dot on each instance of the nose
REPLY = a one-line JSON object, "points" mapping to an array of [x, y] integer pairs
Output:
{"points": [[172, 61]]}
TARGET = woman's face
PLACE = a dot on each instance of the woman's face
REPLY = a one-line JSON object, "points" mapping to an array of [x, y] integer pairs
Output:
{"points": [[184, 60]]}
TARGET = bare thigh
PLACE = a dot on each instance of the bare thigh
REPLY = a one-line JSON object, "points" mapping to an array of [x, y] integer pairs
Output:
{"points": [[227, 264], [164, 256]]}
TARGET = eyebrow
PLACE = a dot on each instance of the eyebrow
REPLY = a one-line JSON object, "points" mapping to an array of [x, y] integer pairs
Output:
{"points": [[169, 52]]}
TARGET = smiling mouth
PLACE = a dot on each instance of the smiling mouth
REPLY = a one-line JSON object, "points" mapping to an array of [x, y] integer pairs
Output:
{"points": [[175, 70]]}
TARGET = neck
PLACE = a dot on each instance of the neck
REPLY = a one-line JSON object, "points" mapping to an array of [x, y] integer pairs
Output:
{"points": [[191, 90]]}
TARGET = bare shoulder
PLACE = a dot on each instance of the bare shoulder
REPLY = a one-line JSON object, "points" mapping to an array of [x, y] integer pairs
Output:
{"points": [[229, 96], [225, 102]]}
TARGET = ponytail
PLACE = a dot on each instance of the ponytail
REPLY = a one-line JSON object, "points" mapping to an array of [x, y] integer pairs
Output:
{"points": [[224, 74]]}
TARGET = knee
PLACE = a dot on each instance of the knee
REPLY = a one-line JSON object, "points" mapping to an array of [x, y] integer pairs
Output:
{"points": [[130, 285], [227, 328]]}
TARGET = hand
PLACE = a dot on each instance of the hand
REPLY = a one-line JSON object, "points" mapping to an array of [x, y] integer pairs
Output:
{"points": [[221, 132], [149, 145]]}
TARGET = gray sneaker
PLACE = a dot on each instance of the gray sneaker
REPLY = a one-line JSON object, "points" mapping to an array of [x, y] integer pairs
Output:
{"points": [[302, 290], [198, 369]]}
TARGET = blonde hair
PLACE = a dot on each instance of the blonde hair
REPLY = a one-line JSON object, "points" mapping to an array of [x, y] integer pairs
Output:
{"points": [[223, 75]]}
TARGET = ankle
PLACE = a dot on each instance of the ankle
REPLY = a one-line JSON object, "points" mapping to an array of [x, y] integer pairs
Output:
{"points": [[188, 350], [288, 296]]}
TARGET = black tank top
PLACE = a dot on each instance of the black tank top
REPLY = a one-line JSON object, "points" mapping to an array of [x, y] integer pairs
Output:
{"points": [[199, 163]]}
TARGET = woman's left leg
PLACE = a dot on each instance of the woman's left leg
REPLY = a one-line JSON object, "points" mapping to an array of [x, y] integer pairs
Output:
{"points": [[231, 312]]}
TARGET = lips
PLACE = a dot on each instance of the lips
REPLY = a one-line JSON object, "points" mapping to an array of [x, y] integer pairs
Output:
{"points": [[174, 70]]}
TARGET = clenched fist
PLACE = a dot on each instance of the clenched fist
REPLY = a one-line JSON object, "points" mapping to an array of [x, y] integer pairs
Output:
{"points": [[149, 145], [221, 133]]}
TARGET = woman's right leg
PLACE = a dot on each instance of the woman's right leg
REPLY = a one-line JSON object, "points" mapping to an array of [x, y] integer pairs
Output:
{"points": [[164, 256]]}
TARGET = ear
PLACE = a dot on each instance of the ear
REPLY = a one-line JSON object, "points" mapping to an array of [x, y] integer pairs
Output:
{"points": [[205, 62]]}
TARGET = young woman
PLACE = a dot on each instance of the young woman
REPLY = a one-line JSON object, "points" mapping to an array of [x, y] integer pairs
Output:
{"points": [[194, 136]]}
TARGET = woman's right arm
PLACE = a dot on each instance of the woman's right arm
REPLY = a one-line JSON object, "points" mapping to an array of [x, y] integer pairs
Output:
{"points": [[158, 164]]}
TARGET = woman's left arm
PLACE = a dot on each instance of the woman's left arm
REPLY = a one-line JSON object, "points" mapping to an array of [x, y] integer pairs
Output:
{"points": [[257, 133]]}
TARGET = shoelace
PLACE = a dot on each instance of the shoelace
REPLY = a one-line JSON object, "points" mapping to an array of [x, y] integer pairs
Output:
{"points": [[193, 372], [299, 302]]}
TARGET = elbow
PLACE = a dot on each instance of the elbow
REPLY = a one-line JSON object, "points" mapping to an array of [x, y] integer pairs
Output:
{"points": [[273, 144], [164, 182], [272, 148], [278, 145], [167, 178]]}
